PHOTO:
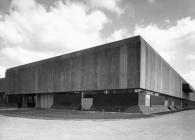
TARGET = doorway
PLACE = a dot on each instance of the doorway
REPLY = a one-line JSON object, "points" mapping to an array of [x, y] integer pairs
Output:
{"points": [[31, 100]]}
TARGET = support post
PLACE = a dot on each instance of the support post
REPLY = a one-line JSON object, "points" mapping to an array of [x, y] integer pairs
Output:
{"points": [[82, 94], [166, 102], [173, 103], [147, 99]]}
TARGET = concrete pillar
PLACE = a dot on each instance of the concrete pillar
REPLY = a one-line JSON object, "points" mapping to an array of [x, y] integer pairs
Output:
{"points": [[44, 101], [172, 103], [82, 94], [7, 98], [141, 98], [166, 102], [24, 101], [147, 99], [37, 101]]}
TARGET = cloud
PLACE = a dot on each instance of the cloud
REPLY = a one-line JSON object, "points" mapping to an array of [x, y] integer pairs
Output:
{"points": [[22, 56], [2, 71], [33, 27], [111, 5], [31, 31], [191, 77], [191, 57], [151, 1], [118, 35], [174, 43], [167, 21]]}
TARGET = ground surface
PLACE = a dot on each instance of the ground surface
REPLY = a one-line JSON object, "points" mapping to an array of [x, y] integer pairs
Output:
{"points": [[178, 126], [68, 114]]}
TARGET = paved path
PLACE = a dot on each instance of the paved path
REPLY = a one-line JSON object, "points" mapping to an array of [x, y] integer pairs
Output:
{"points": [[176, 126]]}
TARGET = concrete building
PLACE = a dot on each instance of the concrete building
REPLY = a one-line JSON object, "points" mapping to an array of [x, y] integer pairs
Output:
{"points": [[125, 75], [2, 91]]}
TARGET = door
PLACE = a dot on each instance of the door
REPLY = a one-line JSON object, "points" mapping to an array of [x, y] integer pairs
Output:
{"points": [[31, 100]]}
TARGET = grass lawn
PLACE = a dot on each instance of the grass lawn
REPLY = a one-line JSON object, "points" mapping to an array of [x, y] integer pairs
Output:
{"points": [[70, 114]]}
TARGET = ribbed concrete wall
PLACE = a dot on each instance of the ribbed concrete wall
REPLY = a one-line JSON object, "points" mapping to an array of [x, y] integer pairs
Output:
{"points": [[157, 75], [2, 85], [44, 101], [192, 96], [110, 66], [129, 63]]}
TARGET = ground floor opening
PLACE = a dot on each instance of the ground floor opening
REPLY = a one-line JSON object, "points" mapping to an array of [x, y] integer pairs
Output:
{"points": [[127, 100], [2, 98]]}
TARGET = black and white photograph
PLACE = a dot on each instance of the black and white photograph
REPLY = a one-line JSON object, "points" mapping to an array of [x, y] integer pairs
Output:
{"points": [[97, 69]]}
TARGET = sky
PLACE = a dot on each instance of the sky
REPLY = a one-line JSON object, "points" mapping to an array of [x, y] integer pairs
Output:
{"points": [[32, 30]]}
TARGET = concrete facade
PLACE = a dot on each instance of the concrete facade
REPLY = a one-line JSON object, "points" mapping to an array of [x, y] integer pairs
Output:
{"points": [[157, 75], [122, 73], [2, 90], [2, 85], [110, 66]]}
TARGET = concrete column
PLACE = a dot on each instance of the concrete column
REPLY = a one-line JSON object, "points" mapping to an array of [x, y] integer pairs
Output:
{"points": [[7, 98], [24, 101], [172, 103], [166, 102], [147, 99], [45, 100], [82, 94], [141, 98], [37, 101]]}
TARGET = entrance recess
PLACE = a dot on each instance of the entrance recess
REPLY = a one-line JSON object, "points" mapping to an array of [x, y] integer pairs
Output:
{"points": [[31, 100]]}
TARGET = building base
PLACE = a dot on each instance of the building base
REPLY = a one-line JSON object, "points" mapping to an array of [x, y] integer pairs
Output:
{"points": [[128, 100]]}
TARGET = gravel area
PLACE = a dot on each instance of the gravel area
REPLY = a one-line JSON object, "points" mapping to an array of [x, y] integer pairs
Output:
{"points": [[175, 126]]}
